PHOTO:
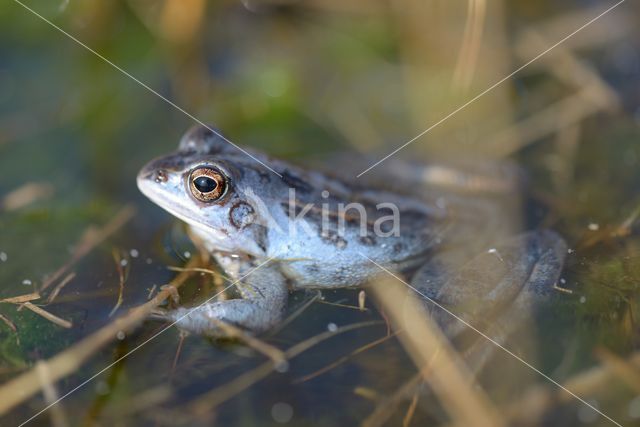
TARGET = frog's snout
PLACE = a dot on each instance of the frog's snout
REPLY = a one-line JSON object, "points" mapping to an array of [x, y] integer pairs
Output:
{"points": [[156, 172], [159, 176], [150, 176]]}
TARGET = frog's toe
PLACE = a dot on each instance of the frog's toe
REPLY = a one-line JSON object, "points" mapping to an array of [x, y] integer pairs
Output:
{"points": [[160, 314], [194, 319], [541, 255]]}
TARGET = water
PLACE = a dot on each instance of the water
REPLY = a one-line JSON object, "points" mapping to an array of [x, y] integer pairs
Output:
{"points": [[301, 82]]}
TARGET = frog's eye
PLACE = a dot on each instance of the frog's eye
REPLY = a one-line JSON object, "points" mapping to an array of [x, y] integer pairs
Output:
{"points": [[207, 184]]}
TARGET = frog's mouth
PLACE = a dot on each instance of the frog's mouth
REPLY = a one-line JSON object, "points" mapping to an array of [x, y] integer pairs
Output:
{"points": [[167, 200], [167, 196]]}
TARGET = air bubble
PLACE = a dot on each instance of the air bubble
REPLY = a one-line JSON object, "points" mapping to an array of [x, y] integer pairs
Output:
{"points": [[282, 367], [282, 412]]}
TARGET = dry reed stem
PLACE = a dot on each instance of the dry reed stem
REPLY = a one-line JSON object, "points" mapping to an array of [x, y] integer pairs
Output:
{"points": [[406, 421], [50, 317], [58, 417], [183, 335], [25, 195], [560, 115], [139, 402], [11, 326], [428, 33], [387, 407], [295, 314], [620, 368], [201, 270], [84, 296], [151, 291], [337, 304], [625, 229], [123, 273], [419, 56], [367, 393], [21, 298], [362, 299], [448, 376], [597, 36], [472, 39], [67, 362], [54, 293], [9, 323], [181, 20], [608, 233], [207, 401], [539, 399], [275, 354], [90, 239], [566, 67], [343, 359]]}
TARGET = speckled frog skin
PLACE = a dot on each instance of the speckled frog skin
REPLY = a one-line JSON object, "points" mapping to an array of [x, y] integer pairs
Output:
{"points": [[270, 233]]}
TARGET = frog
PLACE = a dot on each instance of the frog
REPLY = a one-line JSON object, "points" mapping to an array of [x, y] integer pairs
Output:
{"points": [[275, 228]]}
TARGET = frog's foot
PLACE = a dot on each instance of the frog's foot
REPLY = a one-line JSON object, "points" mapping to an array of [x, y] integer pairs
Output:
{"points": [[209, 319], [264, 296], [497, 290]]}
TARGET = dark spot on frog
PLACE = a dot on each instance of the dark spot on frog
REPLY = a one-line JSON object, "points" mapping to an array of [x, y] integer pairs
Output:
{"points": [[334, 238], [261, 236], [368, 240], [297, 208], [296, 182], [241, 214], [265, 178], [398, 247], [160, 176], [313, 268], [386, 227]]}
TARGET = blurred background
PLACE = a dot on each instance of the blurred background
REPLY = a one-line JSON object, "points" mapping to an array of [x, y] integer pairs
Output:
{"points": [[306, 81]]}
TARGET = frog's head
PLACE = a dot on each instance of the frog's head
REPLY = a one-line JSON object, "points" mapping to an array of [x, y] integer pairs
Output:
{"points": [[208, 183]]}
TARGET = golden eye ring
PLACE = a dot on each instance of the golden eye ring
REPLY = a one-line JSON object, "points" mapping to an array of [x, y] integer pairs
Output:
{"points": [[207, 184]]}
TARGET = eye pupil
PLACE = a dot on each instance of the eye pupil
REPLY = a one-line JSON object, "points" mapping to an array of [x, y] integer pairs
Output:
{"points": [[205, 184]]}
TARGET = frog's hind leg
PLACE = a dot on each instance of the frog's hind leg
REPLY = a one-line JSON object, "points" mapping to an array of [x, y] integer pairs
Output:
{"points": [[494, 292]]}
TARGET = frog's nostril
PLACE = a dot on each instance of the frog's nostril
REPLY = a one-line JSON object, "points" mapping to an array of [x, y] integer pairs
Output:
{"points": [[159, 176]]}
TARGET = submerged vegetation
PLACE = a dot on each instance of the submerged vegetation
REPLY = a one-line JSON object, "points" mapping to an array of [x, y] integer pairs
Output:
{"points": [[84, 259]]}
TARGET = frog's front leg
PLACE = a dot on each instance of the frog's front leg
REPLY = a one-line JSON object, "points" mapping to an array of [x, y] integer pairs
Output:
{"points": [[264, 294]]}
